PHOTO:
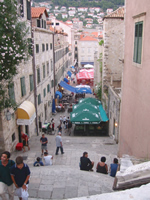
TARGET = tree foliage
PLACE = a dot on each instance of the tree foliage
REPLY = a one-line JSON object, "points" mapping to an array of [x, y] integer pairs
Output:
{"points": [[104, 4], [13, 47]]}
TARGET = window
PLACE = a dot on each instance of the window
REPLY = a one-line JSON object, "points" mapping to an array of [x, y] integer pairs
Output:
{"points": [[38, 23], [28, 10], [44, 92], [52, 83], [31, 82], [39, 99], [75, 42], [76, 55], [51, 46], [51, 65], [44, 24], [11, 92], [57, 24], [47, 68], [38, 75], [21, 8], [48, 88], [13, 137], [30, 46], [46, 47], [43, 71], [138, 42], [76, 48], [23, 86], [89, 50], [37, 48], [43, 47]]}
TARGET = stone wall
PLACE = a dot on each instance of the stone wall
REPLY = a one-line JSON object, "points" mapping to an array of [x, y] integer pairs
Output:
{"points": [[113, 50], [114, 112]]}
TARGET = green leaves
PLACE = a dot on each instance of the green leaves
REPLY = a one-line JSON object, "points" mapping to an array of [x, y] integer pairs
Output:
{"points": [[13, 46]]}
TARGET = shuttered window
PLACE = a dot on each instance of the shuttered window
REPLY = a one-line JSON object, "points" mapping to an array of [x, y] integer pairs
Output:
{"points": [[11, 92], [39, 99], [23, 86], [38, 75], [138, 42], [31, 82], [28, 9], [44, 92]]}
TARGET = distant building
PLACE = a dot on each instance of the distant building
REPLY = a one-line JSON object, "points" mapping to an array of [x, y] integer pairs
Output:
{"points": [[82, 9], [64, 15], [87, 45], [109, 10]]}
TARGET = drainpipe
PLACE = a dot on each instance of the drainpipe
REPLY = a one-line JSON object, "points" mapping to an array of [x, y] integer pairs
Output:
{"points": [[34, 78]]}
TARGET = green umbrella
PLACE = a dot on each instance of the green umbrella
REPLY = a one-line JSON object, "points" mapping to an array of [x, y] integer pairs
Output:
{"points": [[85, 117], [91, 100], [85, 106]]}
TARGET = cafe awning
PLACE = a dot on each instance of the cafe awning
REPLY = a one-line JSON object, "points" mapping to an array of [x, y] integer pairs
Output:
{"points": [[67, 87], [26, 113]]}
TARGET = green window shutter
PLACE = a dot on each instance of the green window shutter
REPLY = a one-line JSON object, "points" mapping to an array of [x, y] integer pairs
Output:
{"points": [[39, 99], [43, 71], [31, 82], [48, 88], [52, 83], [44, 92], [38, 75], [138, 42], [11, 92], [23, 87]]}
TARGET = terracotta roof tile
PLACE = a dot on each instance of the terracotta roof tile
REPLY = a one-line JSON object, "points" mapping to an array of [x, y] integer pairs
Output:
{"points": [[95, 34], [36, 12], [88, 38], [119, 13]]}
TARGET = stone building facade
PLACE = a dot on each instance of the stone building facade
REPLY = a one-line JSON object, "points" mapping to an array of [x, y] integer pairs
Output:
{"points": [[23, 91], [114, 101], [34, 84], [113, 48]]}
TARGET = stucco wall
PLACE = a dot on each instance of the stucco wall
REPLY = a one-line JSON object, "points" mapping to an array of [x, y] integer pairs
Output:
{"points": [[135, 109]]}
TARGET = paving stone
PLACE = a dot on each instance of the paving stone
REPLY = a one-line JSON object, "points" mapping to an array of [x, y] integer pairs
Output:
{"points": [[71, 192], [33, 193], [44, 194], [46, 187], [58, 193]]}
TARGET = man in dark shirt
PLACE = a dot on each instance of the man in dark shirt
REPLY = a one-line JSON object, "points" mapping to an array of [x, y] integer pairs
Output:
{"points": [[6, 183], [44, 142], [85, 163], [20, 174]]}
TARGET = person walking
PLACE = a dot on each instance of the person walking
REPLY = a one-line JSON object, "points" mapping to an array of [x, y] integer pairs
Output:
{"points": [[20, 174], [6, 183], [44, 142], [25, 141], [59, 144]]}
